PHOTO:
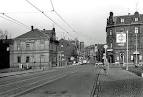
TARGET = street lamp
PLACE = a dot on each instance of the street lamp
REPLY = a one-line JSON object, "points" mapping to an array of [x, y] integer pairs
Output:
{"points": [[136, 32], [127, 67], [105, 47]]}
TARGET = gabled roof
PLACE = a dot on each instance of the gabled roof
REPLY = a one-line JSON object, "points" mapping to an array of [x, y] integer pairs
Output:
{"points": [[35, 34]]}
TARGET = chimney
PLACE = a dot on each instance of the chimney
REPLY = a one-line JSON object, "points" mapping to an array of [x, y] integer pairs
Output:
{"points": [[128, 13], [53, 29], [111, 13], [6, 37], [32, 28]]}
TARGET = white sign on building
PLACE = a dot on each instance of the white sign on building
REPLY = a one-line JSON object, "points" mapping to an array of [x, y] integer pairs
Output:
{"points": [[120, 37]]}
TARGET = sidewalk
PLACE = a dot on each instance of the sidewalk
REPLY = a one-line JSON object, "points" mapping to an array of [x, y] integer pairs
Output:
{"points": [[117, 74], [18, 72], [120, 74]]}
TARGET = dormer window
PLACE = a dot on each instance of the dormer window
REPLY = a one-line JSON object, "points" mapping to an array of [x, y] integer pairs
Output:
{"points": [[122, 20], [136, 19]]}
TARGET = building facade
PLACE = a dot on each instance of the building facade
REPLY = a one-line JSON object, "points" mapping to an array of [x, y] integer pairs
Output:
{"points": [[33, 49], [125, 38], [94, 53], [67, 52]]}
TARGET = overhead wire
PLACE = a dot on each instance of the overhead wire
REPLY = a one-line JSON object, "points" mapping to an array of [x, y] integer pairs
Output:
{"points": [[18, 12], [53, 9], [46, 15], [12, 22], [9, 20], [15, 20]]}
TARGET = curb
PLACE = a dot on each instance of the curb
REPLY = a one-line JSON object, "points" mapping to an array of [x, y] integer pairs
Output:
{"points": [[17, 73], [31, 71]]}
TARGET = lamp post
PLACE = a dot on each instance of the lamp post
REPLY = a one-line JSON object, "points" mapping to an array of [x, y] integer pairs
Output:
{"points": [[40, 61], [105, 47], [136, 32], [127, 67]]}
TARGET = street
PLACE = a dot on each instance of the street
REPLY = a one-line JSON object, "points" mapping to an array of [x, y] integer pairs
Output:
{"points": [[75, 81]]}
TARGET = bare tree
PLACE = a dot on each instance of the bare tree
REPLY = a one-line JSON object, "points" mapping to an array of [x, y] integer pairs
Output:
{"points": [[4, 34]]}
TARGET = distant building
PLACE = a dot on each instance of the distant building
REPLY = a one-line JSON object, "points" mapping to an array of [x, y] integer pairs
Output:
{"points": [[90, 54], [94, 53], [80, 48], [35, 48], [118, 30], [67, 52]]}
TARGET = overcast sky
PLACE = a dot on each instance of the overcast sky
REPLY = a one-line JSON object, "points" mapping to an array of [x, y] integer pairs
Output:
{"points": [[87, 17]]}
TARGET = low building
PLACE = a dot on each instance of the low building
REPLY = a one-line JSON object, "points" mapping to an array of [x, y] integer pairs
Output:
{"points": [[34, 48]]}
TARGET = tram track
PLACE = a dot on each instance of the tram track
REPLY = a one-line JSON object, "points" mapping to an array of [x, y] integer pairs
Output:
{"points": [[11, 79], [20, 86], [96, 85]]}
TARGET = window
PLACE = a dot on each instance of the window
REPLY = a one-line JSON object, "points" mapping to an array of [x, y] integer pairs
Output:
{"points": [[62, 46], [122, 20], [121, 55], [132, 57], [18, 47], [110, 32], [27, 59], [136, 19], [18, 59], [27, 45], [42, 41], [136, 29], [140, 57]]}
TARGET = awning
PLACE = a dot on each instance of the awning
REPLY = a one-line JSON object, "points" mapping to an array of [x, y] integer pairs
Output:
{"points": [[136, 52]]}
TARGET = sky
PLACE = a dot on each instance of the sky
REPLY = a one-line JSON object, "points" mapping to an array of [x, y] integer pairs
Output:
{"points": [[86, 17]]}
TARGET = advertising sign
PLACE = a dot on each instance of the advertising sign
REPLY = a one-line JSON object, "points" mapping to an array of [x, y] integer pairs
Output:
{"points": [[121, 37]]}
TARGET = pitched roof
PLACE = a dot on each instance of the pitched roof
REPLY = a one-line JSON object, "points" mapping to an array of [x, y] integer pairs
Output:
{"points": [[33, 34]]}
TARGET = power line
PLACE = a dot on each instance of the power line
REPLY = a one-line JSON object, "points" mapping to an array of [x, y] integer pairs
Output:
{"points": [[18, 12], [45, 15], [9, 20], [61, 16], [52, 5], [15, 20]]}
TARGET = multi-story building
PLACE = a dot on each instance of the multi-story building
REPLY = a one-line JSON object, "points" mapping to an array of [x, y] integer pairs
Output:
{"points": [[125, 38], [34, 48]]}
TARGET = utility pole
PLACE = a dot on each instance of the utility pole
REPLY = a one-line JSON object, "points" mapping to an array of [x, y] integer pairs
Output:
{"points": [[127, 51], [136, 32]]}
